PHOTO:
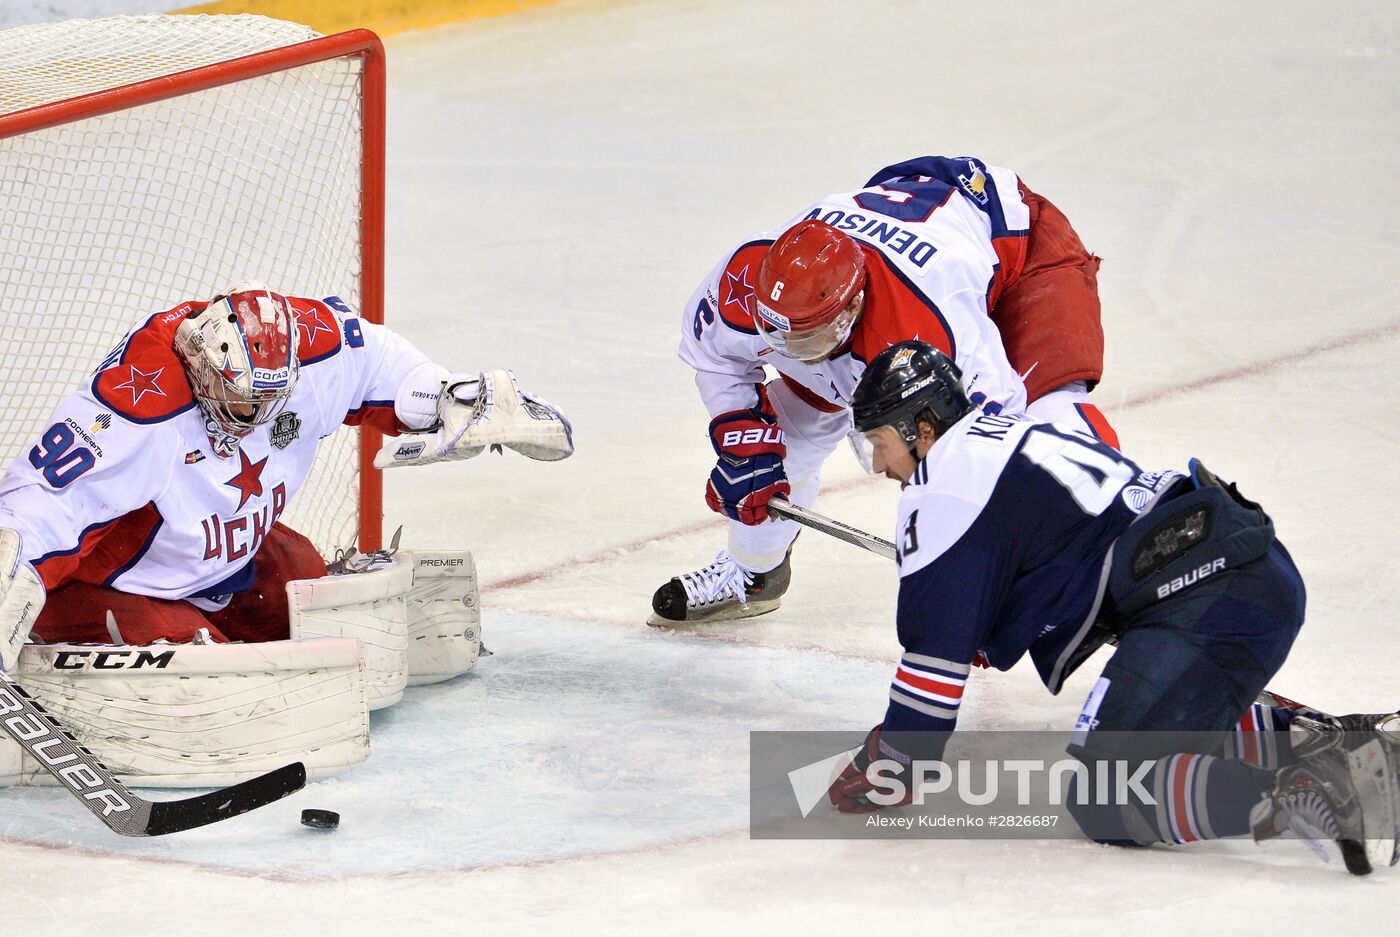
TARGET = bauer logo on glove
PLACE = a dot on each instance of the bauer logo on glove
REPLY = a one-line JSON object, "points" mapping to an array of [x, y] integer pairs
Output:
{"points": [[749, 470]]}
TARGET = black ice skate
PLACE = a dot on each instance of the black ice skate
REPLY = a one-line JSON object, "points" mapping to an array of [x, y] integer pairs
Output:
{"points": [[722, 591], [1343, 789]]}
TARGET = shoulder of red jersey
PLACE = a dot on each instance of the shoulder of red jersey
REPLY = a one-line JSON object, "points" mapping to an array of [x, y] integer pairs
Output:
{"points": [[142, 379], [896, 310], [735, 287], [324, 326]]}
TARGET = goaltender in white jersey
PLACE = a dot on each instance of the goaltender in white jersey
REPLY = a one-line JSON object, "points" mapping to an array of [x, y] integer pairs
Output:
{"points": [[148, 507]]}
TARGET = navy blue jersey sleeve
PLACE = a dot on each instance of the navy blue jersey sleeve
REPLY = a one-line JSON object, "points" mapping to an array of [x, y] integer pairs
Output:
{"points": [[944, 611]]}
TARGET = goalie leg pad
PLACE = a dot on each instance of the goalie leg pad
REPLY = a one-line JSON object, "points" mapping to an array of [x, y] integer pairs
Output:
{"points": [[370, 606], [199, 715], [444, 615], [21, 598]]}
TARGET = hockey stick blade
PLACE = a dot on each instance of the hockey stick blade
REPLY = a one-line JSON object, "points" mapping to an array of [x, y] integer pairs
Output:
{"points": [[172, 816], [832, 528], [87, 778]]}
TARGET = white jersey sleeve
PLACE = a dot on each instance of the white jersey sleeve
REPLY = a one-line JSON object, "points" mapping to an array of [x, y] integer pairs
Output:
{"points": [[89, 467], [718, 338], [357, 366]]}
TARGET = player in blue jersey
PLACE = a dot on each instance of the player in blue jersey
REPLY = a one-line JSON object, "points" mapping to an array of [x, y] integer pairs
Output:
{"points": [[1017, 537]]}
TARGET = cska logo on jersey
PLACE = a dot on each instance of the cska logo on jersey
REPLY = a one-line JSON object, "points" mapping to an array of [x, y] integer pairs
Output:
{"points": [[240, 537]]}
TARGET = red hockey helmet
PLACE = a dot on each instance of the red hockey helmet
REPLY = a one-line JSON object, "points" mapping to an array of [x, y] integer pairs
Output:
{"points": [[808, 289]]}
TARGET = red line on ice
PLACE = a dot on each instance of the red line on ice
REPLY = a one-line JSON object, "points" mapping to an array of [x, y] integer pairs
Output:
{"points": [[1261, 366]]}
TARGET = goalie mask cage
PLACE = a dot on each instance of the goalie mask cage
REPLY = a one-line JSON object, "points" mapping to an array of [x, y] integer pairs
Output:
{"points": [[147, 160]]}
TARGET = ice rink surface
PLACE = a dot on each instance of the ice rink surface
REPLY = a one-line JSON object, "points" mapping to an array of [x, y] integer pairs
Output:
{"points": [[560, 180]]}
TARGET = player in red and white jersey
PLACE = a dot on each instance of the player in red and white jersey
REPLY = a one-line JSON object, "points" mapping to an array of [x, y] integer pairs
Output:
{"points": [[155, 490], [947, 250]]}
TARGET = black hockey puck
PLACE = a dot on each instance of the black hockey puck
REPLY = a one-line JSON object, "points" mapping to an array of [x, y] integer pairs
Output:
{"points": [[320, 819]]}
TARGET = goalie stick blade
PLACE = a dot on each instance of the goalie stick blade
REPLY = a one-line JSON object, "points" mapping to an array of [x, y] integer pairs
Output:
{"points": [[174, 816]]}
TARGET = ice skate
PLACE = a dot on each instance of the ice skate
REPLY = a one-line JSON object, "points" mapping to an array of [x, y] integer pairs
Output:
{"points": [[721, 591], [1344, 788]]}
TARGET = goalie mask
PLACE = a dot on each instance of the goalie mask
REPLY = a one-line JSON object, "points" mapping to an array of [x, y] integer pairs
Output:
{"points": [[240, 353]]}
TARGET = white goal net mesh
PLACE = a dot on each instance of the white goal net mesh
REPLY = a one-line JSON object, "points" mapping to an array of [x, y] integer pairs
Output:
{"points": [[107, 219]]}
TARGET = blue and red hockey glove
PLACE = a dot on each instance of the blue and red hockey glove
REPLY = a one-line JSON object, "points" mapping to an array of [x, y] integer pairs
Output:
{"points": [[749, 471]]}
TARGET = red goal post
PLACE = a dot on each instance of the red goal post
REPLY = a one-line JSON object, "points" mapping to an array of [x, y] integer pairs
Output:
{"points": [[147, 160]]}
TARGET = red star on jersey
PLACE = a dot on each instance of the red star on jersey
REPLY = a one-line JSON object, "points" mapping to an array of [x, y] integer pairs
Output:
{"points": [[140, 384], [740, 289], [311, 322], [248, 481]]}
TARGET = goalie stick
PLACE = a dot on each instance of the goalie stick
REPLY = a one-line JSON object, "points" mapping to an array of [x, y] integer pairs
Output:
{"points": [[67, 759]]}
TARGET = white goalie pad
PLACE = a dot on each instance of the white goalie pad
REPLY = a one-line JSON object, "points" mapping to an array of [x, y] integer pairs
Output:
{"points": [[371, 606], [199, 715], [444, 614], [488, 409], [21, 598]]}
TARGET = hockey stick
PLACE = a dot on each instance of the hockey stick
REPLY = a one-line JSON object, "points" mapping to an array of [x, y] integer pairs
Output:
{"points": [[832, 528], [63, 756]]}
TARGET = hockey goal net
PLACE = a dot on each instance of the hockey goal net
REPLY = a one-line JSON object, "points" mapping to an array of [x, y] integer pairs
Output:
{"points": [[147, 160]]}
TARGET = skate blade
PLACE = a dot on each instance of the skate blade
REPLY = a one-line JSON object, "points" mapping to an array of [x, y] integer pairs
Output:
{"points": [[1373, 772], [739, 613]]}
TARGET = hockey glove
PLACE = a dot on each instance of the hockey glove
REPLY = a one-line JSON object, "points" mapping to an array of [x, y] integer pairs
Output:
{"points": [[749, 472], [484, 410], [851, 790]]}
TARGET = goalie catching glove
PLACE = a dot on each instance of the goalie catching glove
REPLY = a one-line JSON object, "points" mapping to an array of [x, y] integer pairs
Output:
{"points": [[472, 413]]}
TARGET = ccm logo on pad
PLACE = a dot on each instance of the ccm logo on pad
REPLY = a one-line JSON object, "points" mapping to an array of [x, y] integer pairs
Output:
{"points": [[111, 660], [750, 437]]}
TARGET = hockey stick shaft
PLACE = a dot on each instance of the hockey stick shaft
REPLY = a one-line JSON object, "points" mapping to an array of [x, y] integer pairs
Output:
{"points": [[832, 528], [86, 778]]}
